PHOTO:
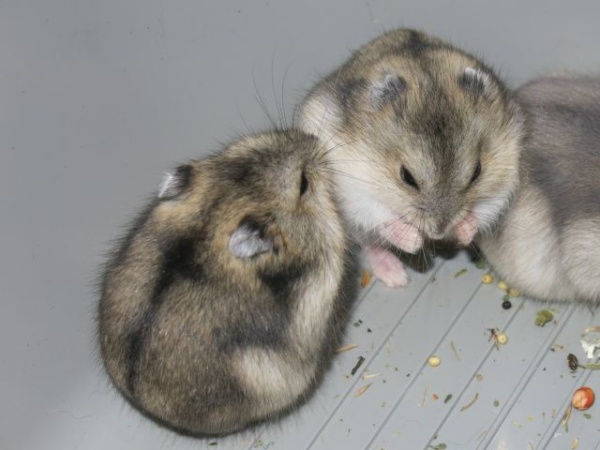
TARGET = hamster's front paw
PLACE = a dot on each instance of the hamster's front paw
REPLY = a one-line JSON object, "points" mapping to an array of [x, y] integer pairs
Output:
{"points": [[466, 229], [402, 235], [386, 266]]}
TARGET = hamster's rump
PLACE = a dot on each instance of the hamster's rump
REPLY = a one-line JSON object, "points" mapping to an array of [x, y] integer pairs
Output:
{"points": [[220, 306], [424, 139], [547, 243]]}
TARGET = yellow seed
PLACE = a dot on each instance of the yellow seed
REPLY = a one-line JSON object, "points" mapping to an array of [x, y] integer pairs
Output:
{"points": [[502, 285], [501, 338], [434, 361], [514, 293], [487, 279]]}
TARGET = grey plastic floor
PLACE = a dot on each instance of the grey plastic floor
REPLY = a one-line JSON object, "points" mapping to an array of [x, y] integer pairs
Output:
{"points": [[98, 99]]}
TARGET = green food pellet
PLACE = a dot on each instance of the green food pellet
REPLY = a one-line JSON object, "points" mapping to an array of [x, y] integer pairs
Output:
{"points": [[448, 398], [496, 403], [542, 317]]}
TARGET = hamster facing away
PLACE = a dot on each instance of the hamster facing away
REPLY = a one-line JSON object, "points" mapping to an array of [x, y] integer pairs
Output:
{"points": [[220, 307], [423, 140], [547, 245]]}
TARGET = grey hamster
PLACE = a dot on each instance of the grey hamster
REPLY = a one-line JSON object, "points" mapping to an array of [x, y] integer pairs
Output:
{"points": [[547, 245], [220, 307], [423, 140]]}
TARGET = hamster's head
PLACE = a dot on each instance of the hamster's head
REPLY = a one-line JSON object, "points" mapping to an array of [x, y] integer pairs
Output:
{"points": [[418, 131], [262, 206]]}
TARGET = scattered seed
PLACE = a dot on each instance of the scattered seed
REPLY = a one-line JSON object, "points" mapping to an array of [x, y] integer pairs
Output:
{"points": [[506, 304], [565, 419], [502, 285], [360, 362], [496, 403], [543, 316], [574, 444], [479, 377], [368, 376], [501, 338], [213, 443], [434, 361], [345, 348], [362, 390], [583, 398], [460, 273], [514, 293], [487, 279], [448, 398], [572, 361], [435, 397], [441, 446], [468, 405], [587, 415], [366, 278]]}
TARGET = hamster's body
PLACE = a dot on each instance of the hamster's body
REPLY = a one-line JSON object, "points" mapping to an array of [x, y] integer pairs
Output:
{"points": [[423, 139], [220, 307], [548, 243]]}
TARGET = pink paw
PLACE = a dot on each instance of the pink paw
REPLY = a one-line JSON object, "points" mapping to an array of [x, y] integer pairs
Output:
{"points": [[466, 229], [402, 235], [386, 266]]}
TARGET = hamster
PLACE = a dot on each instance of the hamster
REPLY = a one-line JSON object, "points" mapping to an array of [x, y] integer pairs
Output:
{"points": [[220, 307], [547, 245], [423, 141]]}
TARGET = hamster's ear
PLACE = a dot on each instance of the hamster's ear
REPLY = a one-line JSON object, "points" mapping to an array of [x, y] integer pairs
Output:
{"points": [[389, 90], [476, 81], [249, 240], [321, 115], [175, 183]]}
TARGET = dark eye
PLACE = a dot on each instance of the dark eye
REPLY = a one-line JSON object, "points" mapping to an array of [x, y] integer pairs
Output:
{"points": [[476, 173], [408, 178], [303, 184]]}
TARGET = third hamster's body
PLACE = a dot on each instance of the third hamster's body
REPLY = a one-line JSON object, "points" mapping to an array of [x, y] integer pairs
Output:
{"points": [[423, 141], [548, 244], [220, 307]]}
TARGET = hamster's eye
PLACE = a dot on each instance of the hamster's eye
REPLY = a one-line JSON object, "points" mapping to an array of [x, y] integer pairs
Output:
{"points": [[476, 173], [408, 178], [303, 184]]}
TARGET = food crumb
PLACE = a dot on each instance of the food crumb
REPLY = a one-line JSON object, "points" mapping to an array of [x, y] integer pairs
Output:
{"points": [[460, 273], [543, 316], [362, 390], [574, 444], [366, 278], [361, 360], [435, 397], [345, 348], [434, 361], [487, 279], [502, 285], [468, 405], [479, 377], [514, 293]]}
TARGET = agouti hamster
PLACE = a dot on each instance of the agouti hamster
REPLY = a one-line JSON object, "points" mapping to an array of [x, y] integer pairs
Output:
{"points": [[548, 243], [423, 140], [220, 307]]}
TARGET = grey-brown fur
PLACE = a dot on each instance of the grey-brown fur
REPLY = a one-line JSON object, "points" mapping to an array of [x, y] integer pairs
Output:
{"points": [[408, 103], [548, 243], [220, 307]]}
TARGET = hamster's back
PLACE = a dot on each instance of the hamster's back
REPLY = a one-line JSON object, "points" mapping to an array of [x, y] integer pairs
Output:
{"points": [[219, 307]]}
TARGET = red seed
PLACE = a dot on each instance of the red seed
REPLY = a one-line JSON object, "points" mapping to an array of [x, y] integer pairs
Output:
{"points": [[583, 398]]}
